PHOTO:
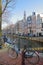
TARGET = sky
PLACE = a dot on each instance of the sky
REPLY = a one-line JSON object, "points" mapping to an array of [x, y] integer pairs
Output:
{"points": [[25, 5]]}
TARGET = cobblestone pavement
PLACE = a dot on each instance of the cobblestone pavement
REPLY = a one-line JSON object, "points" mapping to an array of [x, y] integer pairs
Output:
{"points": [[6, 60]]}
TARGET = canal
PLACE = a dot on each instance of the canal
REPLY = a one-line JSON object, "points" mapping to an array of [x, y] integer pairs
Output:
{"points": [[20, 42]]}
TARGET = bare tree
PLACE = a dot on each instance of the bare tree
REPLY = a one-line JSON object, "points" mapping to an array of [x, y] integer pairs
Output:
{"points": [[4, 5], [7, 4], [7, 11]]}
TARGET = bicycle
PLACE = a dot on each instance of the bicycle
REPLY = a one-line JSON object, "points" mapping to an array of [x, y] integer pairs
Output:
{"points": [[29, 55]]}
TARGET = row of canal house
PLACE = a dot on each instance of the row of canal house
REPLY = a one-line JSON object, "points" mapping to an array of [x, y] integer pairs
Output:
{"points": [[32, 24]]}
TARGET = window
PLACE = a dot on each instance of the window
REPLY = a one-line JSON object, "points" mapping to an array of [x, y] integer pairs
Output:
{"points": [[42, 25]]}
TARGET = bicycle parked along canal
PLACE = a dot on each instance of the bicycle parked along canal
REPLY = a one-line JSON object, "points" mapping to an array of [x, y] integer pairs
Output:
{"points": [[28, 54], [31, 56]]}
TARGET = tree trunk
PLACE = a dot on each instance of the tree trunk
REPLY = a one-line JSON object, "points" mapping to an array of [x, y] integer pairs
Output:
{"points": [[0, 20]]}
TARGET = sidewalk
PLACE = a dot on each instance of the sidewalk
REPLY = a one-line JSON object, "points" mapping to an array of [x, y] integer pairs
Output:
{"points": [[6, 59]]}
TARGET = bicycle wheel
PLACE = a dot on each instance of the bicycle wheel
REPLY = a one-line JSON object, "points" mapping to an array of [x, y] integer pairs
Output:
{"points": [[34, 59], [12, 53]]}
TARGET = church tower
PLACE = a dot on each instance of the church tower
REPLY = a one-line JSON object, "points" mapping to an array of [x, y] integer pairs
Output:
{"points": [[24, 16]]}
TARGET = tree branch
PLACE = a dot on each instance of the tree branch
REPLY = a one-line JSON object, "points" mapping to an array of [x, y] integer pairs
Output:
{"points": [[7, 2]]}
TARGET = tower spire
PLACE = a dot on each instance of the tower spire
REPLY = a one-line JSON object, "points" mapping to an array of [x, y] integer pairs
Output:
{"points": [[24, 15]]}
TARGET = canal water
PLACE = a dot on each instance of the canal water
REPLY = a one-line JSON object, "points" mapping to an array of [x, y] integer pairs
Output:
{"points": [[29, 44]]}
